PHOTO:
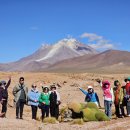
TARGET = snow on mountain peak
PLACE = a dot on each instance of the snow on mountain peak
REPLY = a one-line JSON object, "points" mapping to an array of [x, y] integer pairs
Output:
{"points": [[45, 46], [70, 42], [73, 45]]}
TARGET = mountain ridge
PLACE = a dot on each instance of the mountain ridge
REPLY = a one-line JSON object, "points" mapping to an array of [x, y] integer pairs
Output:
{"points": [[49, 54]]}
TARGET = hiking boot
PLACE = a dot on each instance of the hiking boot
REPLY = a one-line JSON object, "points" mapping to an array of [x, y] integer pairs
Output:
{"points": [[2, 115], [128, 115], [120, 116], [21, 118], [125, 115], [17, 117]]}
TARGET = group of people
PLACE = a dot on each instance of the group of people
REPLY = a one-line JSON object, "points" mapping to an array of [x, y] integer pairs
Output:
{"points": [[119, 95], [48, 100]]}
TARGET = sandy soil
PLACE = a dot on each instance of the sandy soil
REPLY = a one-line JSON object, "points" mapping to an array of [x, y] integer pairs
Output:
{"points": [[69, 92]]}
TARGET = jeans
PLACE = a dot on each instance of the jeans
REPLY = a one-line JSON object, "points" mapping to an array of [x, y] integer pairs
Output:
{"points": [[128, 108], [34, 112], [108, 105]]}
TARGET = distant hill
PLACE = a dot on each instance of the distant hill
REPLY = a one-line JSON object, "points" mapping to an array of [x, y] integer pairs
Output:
{"points": [[110, 61]]}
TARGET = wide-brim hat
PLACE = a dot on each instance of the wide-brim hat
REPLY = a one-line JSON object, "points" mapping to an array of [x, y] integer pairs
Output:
{"points": [[53, 86]]}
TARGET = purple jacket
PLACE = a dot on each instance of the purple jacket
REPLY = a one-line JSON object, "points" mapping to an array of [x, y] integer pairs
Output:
{"points": [[4, 91]]}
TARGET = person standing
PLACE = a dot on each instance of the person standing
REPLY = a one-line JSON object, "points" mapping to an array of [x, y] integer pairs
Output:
{"points": [[127, 96], [20, 92], [119, 97], [54, 102], [108, 97], [33, 97], [4, 95], [44, 102], [91, 96]]}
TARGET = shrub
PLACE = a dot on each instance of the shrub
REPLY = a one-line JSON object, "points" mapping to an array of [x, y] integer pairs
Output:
{"points": [[83, 105], [62, 110], [89, 114], [78, 121], [50, 120], [101, 116], [92, 105], [76, 107]]}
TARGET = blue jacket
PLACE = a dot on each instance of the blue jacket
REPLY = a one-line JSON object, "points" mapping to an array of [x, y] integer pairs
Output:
{"points": [[32, 96], [90, 97]]}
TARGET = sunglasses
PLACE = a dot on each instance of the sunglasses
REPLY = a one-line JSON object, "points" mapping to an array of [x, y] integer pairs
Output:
{"points": [[2, 84], [34, 86]]}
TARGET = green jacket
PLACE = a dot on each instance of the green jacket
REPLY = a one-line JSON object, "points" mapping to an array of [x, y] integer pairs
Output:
{"points": [[17, 92], [44, 98]]}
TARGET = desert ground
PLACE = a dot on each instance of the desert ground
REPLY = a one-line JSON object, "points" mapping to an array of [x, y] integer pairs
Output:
{"points": [[69, 92]]}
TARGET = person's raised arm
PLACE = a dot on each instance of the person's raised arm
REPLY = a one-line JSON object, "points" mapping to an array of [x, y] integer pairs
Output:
{"points": [[9, 82], [83, 91]]}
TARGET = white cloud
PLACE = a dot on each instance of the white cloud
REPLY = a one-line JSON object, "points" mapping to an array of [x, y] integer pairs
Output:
{"points": [[91, 36], [97, 42]]}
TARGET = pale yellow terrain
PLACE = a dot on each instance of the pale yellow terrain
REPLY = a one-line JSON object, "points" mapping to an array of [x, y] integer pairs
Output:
{"points": [[69, 91]]}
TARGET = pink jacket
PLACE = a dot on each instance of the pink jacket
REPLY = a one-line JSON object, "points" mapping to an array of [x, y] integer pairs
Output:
{"points": [[107, 91]]}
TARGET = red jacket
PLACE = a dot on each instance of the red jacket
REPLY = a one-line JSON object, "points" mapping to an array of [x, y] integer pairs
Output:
{"points": [[127, 87]]}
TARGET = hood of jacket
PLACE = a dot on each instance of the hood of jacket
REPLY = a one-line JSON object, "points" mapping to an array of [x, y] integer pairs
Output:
{"points": [[103, 84]]}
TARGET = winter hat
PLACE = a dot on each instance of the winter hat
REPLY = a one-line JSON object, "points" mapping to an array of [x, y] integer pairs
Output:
{"points": [[90, 87], [3, 82], [128, 78]]}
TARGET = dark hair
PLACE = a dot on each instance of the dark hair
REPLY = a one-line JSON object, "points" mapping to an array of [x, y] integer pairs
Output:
{"points": [[125, 79], [44, 88], [91, 89], [21, 78], [115, 82]]}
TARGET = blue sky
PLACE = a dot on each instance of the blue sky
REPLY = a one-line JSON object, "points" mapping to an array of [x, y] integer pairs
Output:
{"points": [[26, 24]]}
